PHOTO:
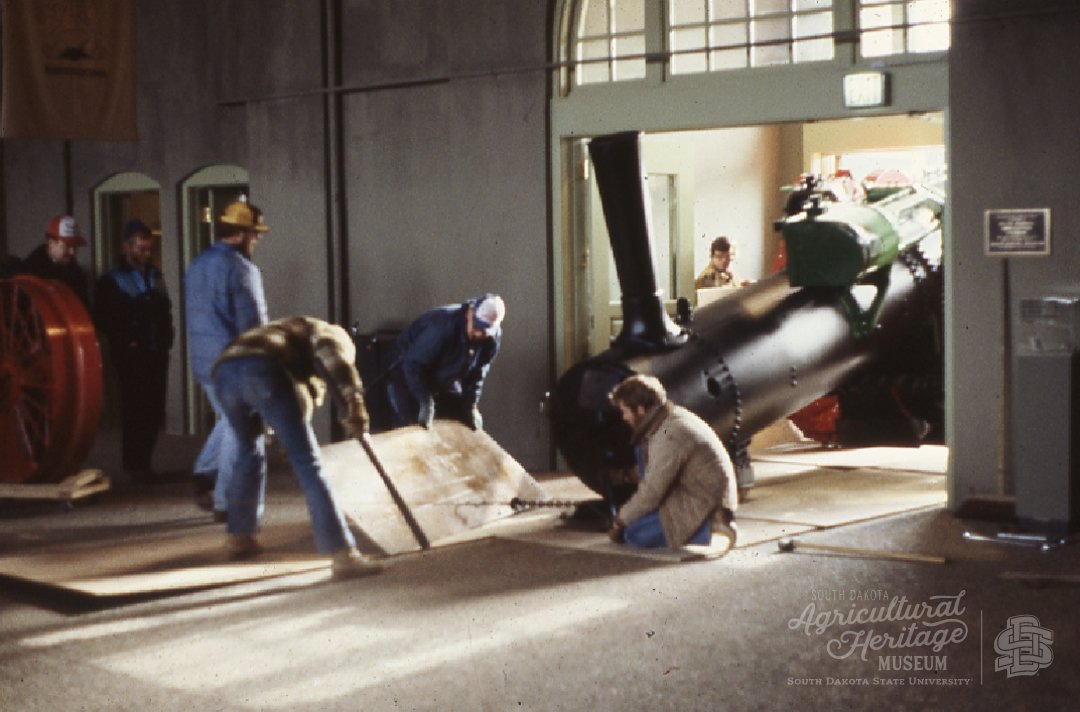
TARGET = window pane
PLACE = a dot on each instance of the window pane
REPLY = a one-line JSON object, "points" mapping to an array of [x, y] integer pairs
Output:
{"points": [[805, 5], [817, 24], [733, 36], [764, 7], [690, 39], [630, 15], [817, 50], [813, 50], [593, 72], [870, 18], [928, 38], [594, 18], [920, 11], [693, 38], [630, 68], [766, 31], [685, 12], [727, 9], [881, 42], [728, 36]]}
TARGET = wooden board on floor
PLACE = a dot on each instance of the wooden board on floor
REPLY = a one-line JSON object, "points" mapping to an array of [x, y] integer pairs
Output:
{"points": [[169, 561], [82, 484], [829, 498], [451, 477], [926, 458]]}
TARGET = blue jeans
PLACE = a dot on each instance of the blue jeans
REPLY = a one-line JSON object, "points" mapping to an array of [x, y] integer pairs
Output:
{"points": [[254, 390], [218, 452], [646, 533]]}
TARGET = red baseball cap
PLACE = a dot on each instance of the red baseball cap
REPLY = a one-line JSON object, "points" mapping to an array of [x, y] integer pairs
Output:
{"points": [[64, 227]]}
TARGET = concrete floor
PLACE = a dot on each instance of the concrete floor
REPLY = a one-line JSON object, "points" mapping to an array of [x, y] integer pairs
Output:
{"points": [[504, 622]]}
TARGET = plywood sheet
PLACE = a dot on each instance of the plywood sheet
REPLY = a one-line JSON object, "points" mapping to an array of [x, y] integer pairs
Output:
{"points": [[173, 560], [927, 458], [452, 478], [828, 498]]}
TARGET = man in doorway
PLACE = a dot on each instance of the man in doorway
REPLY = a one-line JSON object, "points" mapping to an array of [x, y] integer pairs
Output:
{"points": [[224, 298], [445, 355], [132, 310], [718, 272], [687, 488], [56, 258]]}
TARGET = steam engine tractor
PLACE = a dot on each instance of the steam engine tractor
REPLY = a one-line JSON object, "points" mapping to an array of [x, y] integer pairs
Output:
{"points": [[856, 313]]}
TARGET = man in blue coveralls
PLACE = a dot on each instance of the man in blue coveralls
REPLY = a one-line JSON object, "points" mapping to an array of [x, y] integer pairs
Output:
{"points": [[444, 355]]}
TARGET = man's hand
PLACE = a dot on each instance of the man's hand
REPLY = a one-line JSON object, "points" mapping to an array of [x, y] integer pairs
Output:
{"points": [[427, 413], [356, 422], [474, 420]]}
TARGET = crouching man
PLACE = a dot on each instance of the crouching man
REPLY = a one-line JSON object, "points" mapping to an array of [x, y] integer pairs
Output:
{"points": [[687, 489], [276, 375]]}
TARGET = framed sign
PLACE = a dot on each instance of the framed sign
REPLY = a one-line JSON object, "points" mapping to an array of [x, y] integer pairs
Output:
{"points": [[1017, 232]]}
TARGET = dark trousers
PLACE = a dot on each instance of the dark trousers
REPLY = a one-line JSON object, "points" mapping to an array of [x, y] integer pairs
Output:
{"points": [[142, 377]]}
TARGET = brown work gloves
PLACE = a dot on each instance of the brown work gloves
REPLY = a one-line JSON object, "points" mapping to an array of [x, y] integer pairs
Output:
{"points": [[356, 420]]}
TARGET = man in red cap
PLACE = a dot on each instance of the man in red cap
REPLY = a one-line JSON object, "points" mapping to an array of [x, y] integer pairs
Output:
{"points": [[56, 258]]}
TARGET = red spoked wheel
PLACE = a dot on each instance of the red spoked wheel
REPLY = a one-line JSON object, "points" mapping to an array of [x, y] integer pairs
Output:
{"points": [[50, 381]]}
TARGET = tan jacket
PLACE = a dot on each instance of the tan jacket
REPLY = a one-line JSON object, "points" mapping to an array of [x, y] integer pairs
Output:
{"points": [[712, 277], [688, 473], [313, 352]]}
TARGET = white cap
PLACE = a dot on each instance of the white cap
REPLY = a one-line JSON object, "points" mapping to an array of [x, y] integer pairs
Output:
{"points": [[488, 313]]}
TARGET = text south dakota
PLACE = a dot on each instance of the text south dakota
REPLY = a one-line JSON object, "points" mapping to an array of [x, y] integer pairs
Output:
{"points": [[934, 663]]}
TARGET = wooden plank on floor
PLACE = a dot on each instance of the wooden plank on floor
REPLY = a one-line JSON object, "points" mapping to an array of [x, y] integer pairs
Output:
{"points": [[828, 498], [170, 561], [926, 458], [81, 484]]}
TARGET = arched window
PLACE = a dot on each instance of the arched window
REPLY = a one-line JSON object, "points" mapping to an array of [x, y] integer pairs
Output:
{"points": [[609, 42]]}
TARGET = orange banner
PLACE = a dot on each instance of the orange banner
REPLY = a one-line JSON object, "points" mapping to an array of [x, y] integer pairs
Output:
{"points": [[69, 70]]}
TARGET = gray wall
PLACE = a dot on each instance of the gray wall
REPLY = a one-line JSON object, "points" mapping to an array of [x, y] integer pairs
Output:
{"points": [[444, 186], [447, 184], [1013, 141]]}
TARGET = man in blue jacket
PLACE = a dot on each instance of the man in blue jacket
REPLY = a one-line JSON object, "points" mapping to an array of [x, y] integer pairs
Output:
{"points": [[132, 310], [445, 355], [224, 298]]}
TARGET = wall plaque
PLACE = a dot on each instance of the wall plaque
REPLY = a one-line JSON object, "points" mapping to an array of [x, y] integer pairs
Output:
{"points": [[1017, 232]]}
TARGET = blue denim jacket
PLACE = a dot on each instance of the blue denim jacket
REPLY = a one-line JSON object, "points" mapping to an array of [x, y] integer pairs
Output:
{"points": [[435, 355], [224, 298]]}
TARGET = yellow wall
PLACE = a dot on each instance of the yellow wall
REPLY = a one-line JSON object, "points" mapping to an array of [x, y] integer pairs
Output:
{"points": [[879, 133]]}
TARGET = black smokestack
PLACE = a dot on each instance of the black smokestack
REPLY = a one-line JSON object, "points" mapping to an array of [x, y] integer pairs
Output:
{"points": [[621, 181]]}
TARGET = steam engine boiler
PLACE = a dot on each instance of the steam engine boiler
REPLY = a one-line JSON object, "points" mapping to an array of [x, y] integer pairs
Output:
{"points": [[857, 313]]}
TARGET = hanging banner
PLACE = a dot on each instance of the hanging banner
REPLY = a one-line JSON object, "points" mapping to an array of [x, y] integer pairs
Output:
{"points": [[69, 70]]}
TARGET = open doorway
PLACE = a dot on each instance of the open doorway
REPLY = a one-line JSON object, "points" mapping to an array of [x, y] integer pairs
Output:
{"points": [[117, 200], [734, 182], [730, 182]]}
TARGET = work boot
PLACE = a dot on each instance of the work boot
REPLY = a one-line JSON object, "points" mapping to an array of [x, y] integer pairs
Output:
{"points": [[203, 491], [243, 546], [350, 563]]}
